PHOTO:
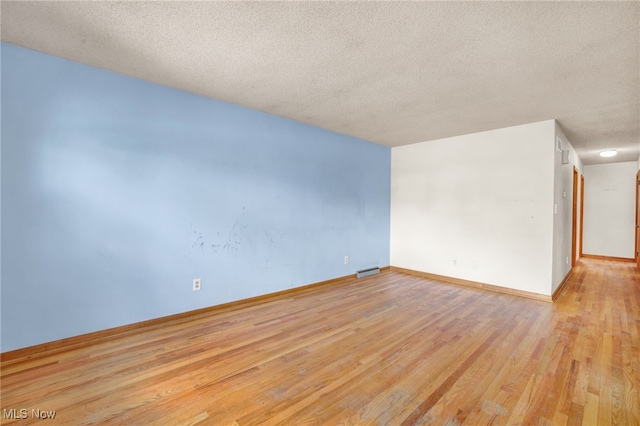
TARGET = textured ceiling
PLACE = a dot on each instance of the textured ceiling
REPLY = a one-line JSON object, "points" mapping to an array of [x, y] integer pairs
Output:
{"points": [[389, 72]]}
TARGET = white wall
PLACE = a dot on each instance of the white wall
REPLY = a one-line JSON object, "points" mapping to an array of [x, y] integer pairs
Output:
{"points": [[484, 199], [609, 209], [563, 219]]}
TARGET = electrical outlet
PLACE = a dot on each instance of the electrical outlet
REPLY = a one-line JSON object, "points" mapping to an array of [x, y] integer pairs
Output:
{"points": [[197, 284], [346, 260], [567, 261], [455, 262]]}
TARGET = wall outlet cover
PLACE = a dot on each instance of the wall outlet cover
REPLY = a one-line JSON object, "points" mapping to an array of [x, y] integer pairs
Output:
{"points": [[197, 284]]}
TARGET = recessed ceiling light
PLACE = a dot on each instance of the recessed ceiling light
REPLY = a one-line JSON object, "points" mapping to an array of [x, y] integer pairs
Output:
{"points": [[608, 153]]}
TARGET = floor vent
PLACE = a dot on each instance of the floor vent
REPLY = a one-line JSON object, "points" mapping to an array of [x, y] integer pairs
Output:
{"points": [[367, 272]]}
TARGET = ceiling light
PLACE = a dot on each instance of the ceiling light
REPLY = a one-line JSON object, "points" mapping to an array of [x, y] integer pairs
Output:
{"points": [[608, 153]]}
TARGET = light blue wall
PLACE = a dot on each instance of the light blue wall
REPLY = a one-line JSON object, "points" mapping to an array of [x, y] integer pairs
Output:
{"points": [[116, 193]]}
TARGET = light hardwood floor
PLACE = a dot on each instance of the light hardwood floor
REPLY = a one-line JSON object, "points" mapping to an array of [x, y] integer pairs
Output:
{"points": [[391, 349]]}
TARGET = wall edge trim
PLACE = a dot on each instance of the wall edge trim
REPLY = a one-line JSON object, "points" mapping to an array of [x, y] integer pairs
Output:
{"points": [[88, 339], [556, 293], [616, 259], [475, 284]]}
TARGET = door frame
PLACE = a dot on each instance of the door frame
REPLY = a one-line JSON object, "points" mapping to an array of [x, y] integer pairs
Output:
{"points": [[574, 219], [637, 244], [581, 214]]}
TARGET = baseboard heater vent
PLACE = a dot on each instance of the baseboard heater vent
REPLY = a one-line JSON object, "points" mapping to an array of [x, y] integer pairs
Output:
{"points": [[367, 272]]}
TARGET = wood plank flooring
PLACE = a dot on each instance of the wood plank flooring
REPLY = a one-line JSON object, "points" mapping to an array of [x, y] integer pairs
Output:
{"points": [[391, 349]]}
